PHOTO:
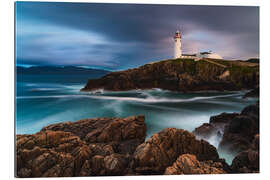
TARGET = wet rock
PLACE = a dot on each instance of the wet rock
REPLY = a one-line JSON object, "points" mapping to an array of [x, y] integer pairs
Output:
{"points": [[115, 146], [102, 149], [79, 148], [24, 172], [239, 133], [253, 93], [248, 161], [235, 131], [115, 164], [107, 130], [98, 165], [188, 164], [80, 154], [223, 118], [163, 148], [86, 169], [215, 127], [241, 137]]}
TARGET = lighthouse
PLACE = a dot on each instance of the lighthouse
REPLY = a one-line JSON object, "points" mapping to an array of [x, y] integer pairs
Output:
{"points": [[177, 45]]}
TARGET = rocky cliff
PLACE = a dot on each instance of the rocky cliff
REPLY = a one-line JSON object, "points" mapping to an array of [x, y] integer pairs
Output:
{"points": [[182, 75]]}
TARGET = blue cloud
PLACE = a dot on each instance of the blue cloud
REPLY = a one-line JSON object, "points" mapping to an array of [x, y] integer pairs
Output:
{"points": [[120, 36]]}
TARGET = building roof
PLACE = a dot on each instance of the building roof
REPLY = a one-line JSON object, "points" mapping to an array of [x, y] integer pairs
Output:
{"points": [[205, 53], [188, 54]]}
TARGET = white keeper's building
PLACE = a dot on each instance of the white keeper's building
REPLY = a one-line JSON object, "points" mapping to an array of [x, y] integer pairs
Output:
{"points": [[178, 50]]}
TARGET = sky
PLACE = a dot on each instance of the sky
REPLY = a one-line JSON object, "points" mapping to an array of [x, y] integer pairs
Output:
{"points": [[121, 36]]}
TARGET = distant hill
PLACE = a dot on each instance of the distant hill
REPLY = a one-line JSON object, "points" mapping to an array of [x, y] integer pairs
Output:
{"points": [[253, 60], [54, 70], [182, 75]]}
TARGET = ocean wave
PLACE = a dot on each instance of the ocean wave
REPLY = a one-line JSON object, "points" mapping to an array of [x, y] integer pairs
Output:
{"points": [[44, 89], [97, 91], [52, 96], [151, 99], [30, 84], [148, 99]]}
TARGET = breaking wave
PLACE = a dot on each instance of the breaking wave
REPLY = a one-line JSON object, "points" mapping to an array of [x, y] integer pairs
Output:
{"points": [[149, 98], [152, 99]]}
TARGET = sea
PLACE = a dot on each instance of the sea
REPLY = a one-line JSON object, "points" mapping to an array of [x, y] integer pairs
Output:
{"points": [[45, 99]]}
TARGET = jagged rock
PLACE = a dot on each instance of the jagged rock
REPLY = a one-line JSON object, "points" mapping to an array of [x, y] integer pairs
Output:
{"points": [[163, 148], [98, 165], [115, 146], [252, 110], [80, 154], [223, 118], [253, 93], [24, 172], [239, 129], [63, 166], [215, 127], [240, 137], [115, 164], [178, 75], [256, 142], [206, 130], [188, 164], [129, 131], [248, 161], [239, 133], [48, 139], [102, 149], [48, 155], [86, 169], [79, 148]]}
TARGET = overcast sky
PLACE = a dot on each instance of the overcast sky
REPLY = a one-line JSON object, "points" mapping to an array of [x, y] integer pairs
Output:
{"points": [[120, 36]]}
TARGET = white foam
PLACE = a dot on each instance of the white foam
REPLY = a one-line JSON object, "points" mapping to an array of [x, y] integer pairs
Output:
{"points": [[53, 96], [30, 84], [151, 99], [97, 91], [44, 89]]}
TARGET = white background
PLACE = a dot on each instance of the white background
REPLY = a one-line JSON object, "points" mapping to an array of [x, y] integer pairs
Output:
{"points": [[7, 87]]}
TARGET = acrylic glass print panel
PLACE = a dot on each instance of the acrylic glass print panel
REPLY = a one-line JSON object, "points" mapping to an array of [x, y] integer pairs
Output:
{"points": [[135, 89]]}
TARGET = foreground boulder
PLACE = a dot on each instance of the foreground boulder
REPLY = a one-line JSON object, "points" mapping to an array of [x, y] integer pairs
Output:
{"points": [[215, 127], [162, 149], [248, 161], [123, 134], [189, 164], [241, 137], [235, 131], [240, 131], [253, 93], [88, 147]]}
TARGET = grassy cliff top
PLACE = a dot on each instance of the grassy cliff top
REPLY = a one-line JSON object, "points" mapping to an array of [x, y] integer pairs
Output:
{"points": [[230, 64]]}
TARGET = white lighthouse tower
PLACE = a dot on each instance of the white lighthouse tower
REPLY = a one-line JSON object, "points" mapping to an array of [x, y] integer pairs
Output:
{"points": [[177, 45]]}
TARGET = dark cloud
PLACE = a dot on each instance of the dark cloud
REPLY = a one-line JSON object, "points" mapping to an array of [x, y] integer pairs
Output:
{"points": [[119, 36]]}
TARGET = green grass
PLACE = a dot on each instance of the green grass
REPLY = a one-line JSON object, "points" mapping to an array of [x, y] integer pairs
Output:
{"points": [[243, 69], [240, 72], [224, 62]]}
